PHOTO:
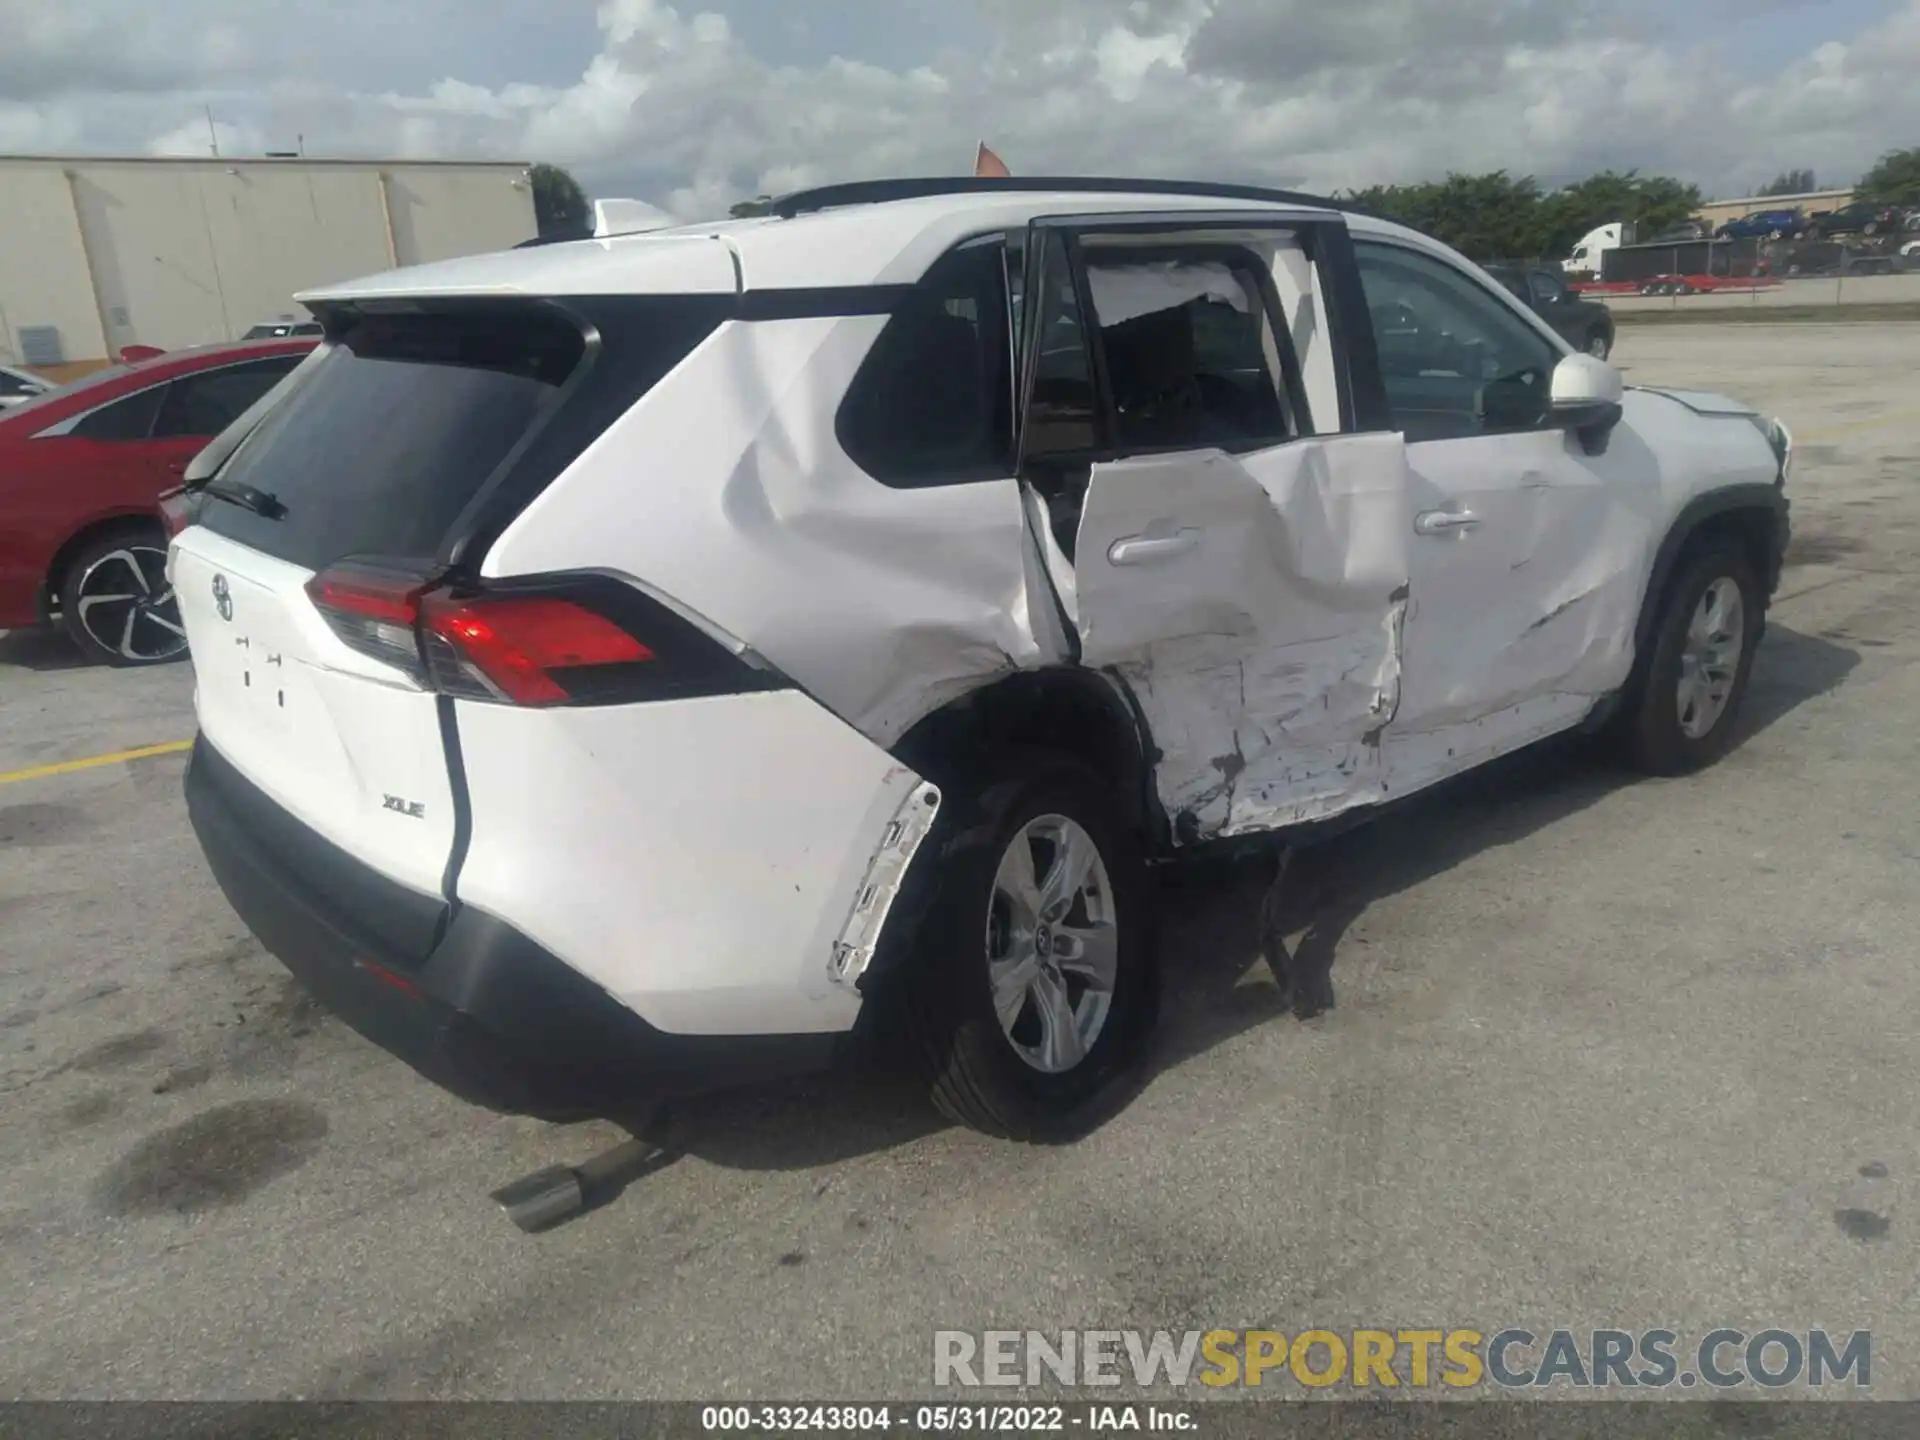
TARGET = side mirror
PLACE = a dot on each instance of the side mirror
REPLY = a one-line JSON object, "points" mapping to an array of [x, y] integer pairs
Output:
{"points": [[1586, 398]]}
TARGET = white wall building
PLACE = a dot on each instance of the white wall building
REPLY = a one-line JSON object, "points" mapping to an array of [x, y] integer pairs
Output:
{"points": [[99, 254]]}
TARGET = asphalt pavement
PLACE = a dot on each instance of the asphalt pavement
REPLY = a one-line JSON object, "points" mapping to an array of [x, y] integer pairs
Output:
{"points": [[1604, 1053]]}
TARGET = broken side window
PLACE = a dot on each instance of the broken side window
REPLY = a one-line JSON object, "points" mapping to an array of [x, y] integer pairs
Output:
{"points": [[1191, 351]]}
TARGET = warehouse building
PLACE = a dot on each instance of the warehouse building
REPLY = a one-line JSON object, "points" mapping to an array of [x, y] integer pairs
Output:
{"points": [[100, 254]]}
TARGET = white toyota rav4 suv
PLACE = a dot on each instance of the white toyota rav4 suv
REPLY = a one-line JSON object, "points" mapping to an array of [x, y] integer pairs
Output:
{"points": [[640, 663]]}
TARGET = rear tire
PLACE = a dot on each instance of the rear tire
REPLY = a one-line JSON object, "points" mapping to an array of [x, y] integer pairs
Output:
{"points": [[116, 603], [1684, 705], [1070, 1053]]}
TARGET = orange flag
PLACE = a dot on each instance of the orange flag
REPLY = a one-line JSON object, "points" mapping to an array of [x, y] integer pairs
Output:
{"points": [[989, 166]]}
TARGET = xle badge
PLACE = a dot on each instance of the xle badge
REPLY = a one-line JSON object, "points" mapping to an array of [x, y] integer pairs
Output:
{"points": [[412, 809], [222, 597]]}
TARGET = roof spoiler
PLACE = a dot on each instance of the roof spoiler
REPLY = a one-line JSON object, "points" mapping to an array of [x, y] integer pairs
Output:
{"points": [[610, 218], [628, 217]]}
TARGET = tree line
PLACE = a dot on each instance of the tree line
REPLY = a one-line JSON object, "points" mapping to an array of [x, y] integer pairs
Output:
{"points": [[1491, 216], [1498, 216]]}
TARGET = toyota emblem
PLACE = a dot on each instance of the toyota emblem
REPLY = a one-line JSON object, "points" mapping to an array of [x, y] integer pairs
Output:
{"points": [[222, 597]]}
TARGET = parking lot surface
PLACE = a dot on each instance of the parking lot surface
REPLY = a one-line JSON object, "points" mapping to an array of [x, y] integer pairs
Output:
{"points": [[1604, 1053]]}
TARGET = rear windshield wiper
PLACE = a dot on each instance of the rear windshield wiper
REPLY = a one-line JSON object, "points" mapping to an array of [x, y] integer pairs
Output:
{"points": [[245, 496]]}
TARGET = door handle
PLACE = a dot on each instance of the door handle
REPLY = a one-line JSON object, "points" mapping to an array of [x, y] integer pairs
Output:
{"points": [[1445, 522], [1144, 549]]}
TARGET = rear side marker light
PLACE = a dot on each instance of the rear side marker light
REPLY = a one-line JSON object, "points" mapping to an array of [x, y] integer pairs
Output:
{"points": [[387, 977]]}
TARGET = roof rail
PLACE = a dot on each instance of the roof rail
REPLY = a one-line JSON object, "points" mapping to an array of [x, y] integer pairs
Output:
{"points": [[873, 192]]}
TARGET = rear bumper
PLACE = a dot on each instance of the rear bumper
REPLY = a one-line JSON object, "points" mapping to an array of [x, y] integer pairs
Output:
{"points": [[487, 1014]]}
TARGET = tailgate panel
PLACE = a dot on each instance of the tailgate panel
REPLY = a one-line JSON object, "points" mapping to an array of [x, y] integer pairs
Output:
{"points": [[348, 746]]}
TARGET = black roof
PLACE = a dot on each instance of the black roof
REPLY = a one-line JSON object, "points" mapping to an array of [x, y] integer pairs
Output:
{"points": [[873, 192]]}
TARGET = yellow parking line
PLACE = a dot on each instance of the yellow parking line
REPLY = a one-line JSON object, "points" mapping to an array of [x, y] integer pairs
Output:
{"points": [[67, 767]]}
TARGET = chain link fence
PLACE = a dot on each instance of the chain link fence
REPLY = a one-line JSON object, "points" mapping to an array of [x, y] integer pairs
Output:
{"points": [[1757, 274]]}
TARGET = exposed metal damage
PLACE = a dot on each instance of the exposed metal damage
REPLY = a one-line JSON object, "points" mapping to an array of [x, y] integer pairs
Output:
{"points": [[880, 886], [1267, 660]]}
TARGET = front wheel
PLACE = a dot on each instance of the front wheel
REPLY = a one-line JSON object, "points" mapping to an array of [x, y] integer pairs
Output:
{"points": [[1599, 344], [1687, 702], [116, 603], [1033, 996]]}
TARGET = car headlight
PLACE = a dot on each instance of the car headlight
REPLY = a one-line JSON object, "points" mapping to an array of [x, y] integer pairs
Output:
{"points": [[1780, 440]]}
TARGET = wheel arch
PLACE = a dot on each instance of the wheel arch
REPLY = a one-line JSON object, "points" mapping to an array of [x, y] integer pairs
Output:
{"points": [[96, 526], [1754, 516], [1084, 714]]}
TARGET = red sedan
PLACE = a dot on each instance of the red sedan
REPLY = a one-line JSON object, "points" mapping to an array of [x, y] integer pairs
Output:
{"points": [[81, 472]]}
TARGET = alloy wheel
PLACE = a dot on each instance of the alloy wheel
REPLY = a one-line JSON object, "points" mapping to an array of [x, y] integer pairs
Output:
{"points": [[1710, 658], [1053, 943], [124, 603]]}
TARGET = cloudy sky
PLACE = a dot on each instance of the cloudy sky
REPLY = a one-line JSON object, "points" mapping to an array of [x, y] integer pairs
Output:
{"points": [[696, 103]]}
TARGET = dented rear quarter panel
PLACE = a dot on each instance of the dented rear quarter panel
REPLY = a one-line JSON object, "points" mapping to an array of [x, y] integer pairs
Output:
{"points": [[726, 491]]}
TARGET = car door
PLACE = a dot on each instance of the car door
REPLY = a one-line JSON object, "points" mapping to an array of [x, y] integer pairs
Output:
{"points": [[1525, 549], [1230, 553]]}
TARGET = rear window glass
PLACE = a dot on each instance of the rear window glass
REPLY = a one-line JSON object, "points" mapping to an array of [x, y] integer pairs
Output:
{"points": [[383, 443]]}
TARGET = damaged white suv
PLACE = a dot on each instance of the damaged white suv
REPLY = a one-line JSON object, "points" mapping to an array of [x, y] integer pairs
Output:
{"points": [[634, 664]]}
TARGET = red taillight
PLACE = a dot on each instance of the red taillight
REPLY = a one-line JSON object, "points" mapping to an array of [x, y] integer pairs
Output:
{"points": [[508, 647], [368, 595], [373, 611], [517, 648]]}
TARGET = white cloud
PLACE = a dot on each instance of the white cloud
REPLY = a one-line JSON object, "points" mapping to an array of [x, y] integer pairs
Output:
{"points": [[198, 137], [679, 107]]}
